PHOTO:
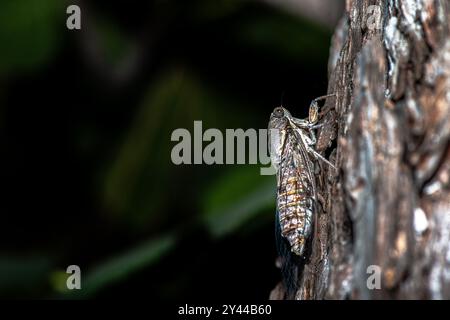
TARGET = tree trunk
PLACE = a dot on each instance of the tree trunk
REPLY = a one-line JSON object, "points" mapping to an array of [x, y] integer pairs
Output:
{"points": [[387, 207]]}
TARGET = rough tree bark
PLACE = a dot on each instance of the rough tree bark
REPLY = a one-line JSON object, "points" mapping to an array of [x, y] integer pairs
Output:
{"points": [[388, 204]]}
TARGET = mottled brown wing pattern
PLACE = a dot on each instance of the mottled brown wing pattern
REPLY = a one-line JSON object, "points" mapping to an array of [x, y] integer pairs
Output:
{"points": [[295, 196]]}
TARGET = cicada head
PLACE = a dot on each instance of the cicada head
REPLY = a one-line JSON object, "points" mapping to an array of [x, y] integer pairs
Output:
{"points": [[278, 126]]}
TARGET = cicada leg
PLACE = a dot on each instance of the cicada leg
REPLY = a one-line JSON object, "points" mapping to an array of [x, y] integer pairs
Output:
{"points": [[314, 108], [319, 156]]}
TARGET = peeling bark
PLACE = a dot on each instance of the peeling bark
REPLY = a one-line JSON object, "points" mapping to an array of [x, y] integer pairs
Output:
{"points": [[388, 204]]}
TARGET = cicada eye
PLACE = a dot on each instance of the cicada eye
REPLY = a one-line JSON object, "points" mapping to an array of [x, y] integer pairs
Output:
{"points": [[278, 112]]}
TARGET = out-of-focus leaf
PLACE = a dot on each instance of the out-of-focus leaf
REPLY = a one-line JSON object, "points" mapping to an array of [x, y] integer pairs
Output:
{"points": [[29, 32], [115, 43], [137, 153], [142, 177], [58, 280], [23, 274], [120, 267], [237, 198], [285, 36]]}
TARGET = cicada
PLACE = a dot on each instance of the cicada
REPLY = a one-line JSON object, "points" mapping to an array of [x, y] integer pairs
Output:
{"points": [[291, 145]]}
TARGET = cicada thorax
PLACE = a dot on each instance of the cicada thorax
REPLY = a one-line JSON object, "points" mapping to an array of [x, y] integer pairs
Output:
{"points": [[295, 196]]}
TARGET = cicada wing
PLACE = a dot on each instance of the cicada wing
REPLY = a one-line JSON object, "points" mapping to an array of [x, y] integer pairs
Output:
{"points": [[306, 169], [308, 186]]}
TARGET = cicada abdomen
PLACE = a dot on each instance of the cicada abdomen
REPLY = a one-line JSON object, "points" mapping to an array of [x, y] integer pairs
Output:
{"points": [[295, 196]]}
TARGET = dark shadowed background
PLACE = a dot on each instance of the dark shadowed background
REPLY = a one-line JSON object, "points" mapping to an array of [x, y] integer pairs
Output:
{"points": [[86, 118]]}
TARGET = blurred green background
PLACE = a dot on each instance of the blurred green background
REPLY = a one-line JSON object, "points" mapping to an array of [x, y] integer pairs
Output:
{"points": [[86, 118]]}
